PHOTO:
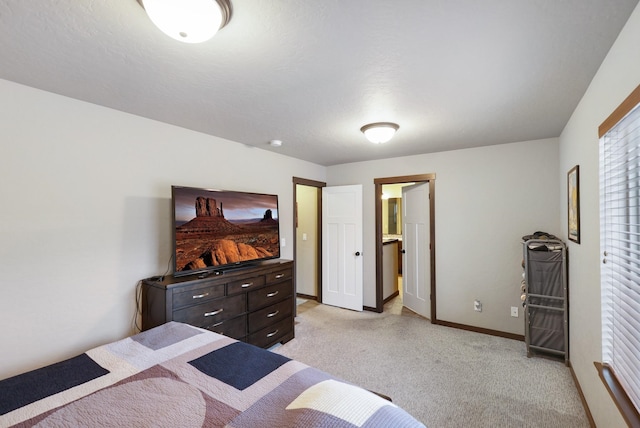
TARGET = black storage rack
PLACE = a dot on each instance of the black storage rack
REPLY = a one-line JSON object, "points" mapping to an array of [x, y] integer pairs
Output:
{"points": [[546, 303]]}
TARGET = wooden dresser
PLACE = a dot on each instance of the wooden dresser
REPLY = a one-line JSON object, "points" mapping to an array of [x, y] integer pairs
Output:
{"points": [[254, 304]]}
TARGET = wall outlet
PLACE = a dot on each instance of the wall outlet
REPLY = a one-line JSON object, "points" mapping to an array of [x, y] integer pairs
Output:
{"points": [[514, 311], [477, 306], [283, 243]]}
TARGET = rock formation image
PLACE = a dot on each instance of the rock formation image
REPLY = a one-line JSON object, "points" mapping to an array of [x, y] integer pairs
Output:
{"points": [[207, 207], [209, 239], [268, 218], [209, 220]]}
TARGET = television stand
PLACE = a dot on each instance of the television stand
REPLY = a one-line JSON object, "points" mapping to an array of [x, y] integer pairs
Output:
{"points": [[252, 303]]}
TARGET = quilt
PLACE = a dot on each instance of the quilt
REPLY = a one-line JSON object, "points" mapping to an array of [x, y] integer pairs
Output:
{"points": [[177, 375]]}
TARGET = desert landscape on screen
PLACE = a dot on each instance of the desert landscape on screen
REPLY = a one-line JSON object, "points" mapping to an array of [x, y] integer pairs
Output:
{"points": [[229, 228]]}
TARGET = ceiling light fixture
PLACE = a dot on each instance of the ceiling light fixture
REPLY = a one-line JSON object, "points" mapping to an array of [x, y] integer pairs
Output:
{"points": [[379, 132], [189, 21]]}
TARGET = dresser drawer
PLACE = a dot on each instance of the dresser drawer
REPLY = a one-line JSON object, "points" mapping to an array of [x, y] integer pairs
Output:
{"points": [[278, 275], [245, 285], [235, 328], [194, 296], [211, 312], [270, 315], [272, 334], [269, 295]]}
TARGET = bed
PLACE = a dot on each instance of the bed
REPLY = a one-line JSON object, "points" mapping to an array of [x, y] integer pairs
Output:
{"points": [[177, 375]]}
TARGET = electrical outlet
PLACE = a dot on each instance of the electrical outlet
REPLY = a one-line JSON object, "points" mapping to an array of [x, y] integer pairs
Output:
{"points": [[514, 311], [477, 306]]}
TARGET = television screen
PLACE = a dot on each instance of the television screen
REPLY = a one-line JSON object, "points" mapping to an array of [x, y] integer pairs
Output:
{"points": [[216, 229]]}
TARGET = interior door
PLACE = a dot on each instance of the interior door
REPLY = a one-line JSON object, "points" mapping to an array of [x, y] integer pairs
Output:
{"points": [[416, 260], [342, 246]]}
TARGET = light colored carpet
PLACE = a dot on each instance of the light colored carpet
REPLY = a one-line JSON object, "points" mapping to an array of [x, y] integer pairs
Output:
{"points": [[444, 377]]}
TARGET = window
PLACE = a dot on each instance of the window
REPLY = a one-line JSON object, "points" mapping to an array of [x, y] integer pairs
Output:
{"points": [[620, 246]]}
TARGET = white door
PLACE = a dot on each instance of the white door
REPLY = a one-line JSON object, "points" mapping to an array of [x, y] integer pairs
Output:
{"points": [[416, 257], [342, 246]]}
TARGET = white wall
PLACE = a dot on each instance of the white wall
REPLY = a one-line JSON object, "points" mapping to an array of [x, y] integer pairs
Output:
{"points": [[85, 195], [486, 199], [618, 75]]}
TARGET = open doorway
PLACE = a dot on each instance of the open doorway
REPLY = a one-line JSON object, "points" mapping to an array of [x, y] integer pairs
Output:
{"points": [[307, 244], [392, 241], [389, 231]]}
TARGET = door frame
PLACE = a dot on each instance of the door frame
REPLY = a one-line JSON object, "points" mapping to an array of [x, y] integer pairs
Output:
{"points": [[318, 185], [379, 182]]}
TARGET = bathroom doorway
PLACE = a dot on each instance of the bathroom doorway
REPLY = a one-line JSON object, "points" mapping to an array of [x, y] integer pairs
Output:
{"points": [[388, 217]]}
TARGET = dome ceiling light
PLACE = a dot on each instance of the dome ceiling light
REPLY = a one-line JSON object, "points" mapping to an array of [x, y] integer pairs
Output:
{"points": [[379, 132], [189, 21]]}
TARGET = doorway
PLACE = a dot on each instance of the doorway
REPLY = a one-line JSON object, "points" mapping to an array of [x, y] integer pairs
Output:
{"points": [[307, 242], [430, 246]]}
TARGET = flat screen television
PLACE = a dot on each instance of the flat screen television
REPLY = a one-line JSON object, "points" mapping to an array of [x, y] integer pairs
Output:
{"points": [[214, 230]]}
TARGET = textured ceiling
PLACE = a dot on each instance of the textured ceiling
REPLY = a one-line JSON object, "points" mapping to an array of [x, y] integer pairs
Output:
{"points": [[451, 73]]}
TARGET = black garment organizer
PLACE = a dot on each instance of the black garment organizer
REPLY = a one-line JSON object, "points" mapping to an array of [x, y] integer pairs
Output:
{"points": [[546, 305]]}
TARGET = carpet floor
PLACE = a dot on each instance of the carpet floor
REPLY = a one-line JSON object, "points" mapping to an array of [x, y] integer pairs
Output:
{"points": [[444, 377]]}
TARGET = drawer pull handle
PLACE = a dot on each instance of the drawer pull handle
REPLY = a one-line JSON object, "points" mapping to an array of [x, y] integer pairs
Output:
{"points": [[200, 296], [218, 324], [247, 284], [210, 314], [273, 294], [273, 334], [280, 275], [273, 314]]}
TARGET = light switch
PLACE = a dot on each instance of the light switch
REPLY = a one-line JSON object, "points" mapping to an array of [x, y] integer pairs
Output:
{"points": [[304, 236]]}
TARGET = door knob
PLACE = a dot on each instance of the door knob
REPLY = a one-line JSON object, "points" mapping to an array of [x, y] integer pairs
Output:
{"points": [[404, 252], [357, 253]]}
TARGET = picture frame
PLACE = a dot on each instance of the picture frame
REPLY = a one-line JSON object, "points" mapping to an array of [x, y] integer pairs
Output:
{"points": [[573, 204]]}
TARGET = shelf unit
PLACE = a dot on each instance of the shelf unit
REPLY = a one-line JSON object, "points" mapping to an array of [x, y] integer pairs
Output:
{"points": [[546, 297]]}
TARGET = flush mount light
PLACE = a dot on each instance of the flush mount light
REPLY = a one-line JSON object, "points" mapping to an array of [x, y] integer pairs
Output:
{"points": [[379, 132], [189, 21], [275, 143]]}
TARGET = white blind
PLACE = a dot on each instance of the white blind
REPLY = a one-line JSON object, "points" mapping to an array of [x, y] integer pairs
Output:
{"points": [[620, 245]]}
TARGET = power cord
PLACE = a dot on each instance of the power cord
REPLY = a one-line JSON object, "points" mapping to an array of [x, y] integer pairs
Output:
{"points": [[137, 328], [138, 313]]}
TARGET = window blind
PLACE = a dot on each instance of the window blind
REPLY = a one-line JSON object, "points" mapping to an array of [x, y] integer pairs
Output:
{"points": [[620, 246]]}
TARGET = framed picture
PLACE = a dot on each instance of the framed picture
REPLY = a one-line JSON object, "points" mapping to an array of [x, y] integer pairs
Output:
{"points": [[573, 196]]}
